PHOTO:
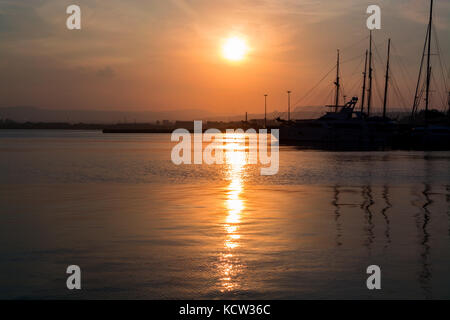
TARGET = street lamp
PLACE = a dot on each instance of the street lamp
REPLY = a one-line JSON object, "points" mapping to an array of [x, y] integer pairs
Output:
{"points": [[265, 111], [289, 105]]}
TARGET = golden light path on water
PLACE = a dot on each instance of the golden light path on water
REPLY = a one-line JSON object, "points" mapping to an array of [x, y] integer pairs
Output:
{"points": [[236, 160]]}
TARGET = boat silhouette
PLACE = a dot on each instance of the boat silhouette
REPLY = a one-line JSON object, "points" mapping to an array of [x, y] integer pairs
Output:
{"points": [[348, 127]]}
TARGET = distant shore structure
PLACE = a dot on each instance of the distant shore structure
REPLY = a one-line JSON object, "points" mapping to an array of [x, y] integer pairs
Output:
{"points": [[265, 110], [289, 104]]}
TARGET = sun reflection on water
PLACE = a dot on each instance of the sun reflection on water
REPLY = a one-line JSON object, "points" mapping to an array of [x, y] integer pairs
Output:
{"points": [[230, 264]]}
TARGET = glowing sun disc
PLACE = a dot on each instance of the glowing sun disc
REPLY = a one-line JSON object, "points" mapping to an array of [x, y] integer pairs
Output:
{"points": [[234, 49]]}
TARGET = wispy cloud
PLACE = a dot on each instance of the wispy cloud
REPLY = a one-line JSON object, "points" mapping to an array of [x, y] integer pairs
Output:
{"points": [[148, 44]]}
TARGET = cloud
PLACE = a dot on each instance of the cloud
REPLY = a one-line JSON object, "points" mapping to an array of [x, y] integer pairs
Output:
{"points": [[106, 72], [418, 11], [157, 46]]}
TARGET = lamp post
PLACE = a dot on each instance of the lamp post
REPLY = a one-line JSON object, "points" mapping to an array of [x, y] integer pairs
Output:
{"points": [[265, 111], [289, 105]]}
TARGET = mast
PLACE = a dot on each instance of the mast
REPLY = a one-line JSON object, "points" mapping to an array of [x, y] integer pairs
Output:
{"points": [[387, 79], [427, 94], [363, 95], [369, 100], [415, 103], [337, 83]]}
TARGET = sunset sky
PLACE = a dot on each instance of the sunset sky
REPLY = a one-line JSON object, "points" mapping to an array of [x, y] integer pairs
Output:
{"points": [[167, 55]]}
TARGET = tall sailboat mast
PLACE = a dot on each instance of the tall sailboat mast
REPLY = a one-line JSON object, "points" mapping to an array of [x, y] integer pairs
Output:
{"points": [[427, 94], [363, 95], [369, 98], [337, 83], [416, 94], [387, 79]]}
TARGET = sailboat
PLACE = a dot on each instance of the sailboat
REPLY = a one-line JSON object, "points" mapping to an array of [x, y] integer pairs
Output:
{"points": [[430, 129], [344, 126]]}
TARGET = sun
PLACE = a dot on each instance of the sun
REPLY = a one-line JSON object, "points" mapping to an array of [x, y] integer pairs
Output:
{"points": [[234, 49]]}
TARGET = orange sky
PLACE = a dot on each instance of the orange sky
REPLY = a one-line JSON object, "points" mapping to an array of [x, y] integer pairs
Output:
{"points": [[166, 55]]}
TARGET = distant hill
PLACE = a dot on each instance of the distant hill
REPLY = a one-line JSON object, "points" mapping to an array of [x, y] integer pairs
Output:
{"points": [[33, 114]]}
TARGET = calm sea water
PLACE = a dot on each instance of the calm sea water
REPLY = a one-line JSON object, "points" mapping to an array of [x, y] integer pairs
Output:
{"points": [[141, 227]]}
